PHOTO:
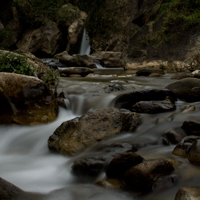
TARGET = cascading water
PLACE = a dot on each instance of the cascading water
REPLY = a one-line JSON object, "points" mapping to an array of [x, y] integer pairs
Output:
{"points": [[27, 162], [85, 44], [85, 47]]}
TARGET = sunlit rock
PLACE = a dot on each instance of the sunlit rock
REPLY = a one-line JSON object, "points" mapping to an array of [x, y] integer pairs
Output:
{"points": [[188, 193]]}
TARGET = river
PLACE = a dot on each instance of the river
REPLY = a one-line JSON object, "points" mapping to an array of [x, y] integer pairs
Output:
{"points": [[27, 162]]}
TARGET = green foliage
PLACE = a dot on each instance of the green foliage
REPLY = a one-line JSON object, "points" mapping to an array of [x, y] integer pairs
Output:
{"points": [[66, 13], [51, 78], [35, 13], [15, 64]]}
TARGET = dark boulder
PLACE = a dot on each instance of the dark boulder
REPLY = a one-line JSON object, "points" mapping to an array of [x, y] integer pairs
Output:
{"points": [[121, 163], [153, 107], [141, 177], [129, 99], [147, 72], [194, 153], [191, 127]]}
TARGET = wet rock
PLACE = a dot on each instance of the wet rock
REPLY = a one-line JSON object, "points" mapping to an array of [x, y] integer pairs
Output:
{"points": [[111, 183], [147, 72], [153, 107], [188, 108], [80, 133], [173, 136], [61, 100], [90, 166], [77, 61], [194, 153], [182, 149], [188, 193], [25, 100], [191, 139], [82, 71], [121, 163], [113, 87], [191, 127], [181, 75], [164, 182], [42, 42], [129, 99], [142, 176], [186, 89], [99, 159]]}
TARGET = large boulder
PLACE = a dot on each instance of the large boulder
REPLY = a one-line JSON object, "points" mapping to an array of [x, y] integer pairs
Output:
{"points": [[129, 99], [187, 89], [109, 59], [153, 107], [77, 61], [42, 42], [82, 71], [191, 127], [76, 135], [194, 153], [188, 193], [25, 100], [142, 176]]}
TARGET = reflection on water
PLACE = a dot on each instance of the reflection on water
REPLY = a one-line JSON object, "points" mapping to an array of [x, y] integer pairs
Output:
{"points": [[27, 162]]}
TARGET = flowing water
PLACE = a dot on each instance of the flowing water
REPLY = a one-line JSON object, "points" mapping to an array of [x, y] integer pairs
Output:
{"points": [[27, 163]]}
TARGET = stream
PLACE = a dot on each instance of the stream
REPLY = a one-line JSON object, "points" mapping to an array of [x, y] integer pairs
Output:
{"points": [[27, 162]]}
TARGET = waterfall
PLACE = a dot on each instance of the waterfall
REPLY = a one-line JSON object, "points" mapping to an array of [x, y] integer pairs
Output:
{"points": [[85, 44]]}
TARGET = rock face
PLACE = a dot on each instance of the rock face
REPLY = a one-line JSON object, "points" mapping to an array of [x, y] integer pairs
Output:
{"points": [[186, 89], [148, 72], [25, 100], [188, 193], [142, 176], [128, 100], [43, 41], [82, 71], [153, 107], [77, 61], [80, 133]]}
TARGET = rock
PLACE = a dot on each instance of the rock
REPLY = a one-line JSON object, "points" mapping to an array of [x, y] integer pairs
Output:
{"points": [[80, 133], [77, 61], [111, 183], [181, 75], [188, 193], [109, 59], [186, 89], [25, 100], [188, 108], [82, 71], [141, 177], [121, 163], [113, 87], [147, 72], [182, 149], [173, 136], [42, 42], [129, 99], [90, 166], [191, 127], [153, 107], [194, 153]]}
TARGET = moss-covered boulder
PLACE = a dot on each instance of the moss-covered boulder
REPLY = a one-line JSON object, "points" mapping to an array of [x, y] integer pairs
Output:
{"points": [[25, 100]]}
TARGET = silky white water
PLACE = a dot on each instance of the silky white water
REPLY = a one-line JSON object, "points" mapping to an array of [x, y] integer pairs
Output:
{"points": [[27, 162]]}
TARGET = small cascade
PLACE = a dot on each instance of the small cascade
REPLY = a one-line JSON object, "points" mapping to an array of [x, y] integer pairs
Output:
{"points": [[85, 44]]}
